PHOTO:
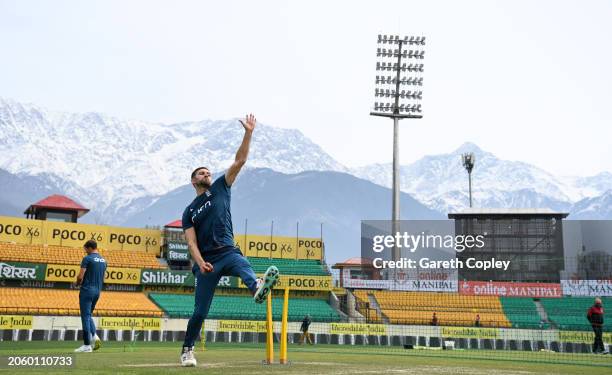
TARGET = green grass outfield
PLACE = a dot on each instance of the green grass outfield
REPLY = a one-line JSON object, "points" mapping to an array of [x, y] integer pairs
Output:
{"points": [[245, 359]]}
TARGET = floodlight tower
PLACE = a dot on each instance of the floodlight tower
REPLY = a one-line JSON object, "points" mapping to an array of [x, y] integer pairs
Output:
{"points": [[397, 96], [469, 160]]}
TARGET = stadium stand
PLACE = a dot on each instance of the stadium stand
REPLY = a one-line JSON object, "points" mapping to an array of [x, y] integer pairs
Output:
{"points": [[243, 308], [522, 312], [569, 313], [369, 312], [451, 309], [38, 301], [289, 266], [71, 255]]}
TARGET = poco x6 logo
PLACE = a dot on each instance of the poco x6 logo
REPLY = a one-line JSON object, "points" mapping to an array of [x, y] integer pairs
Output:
{"points": [[61, 272], [10, 229], [307, 282], [130, 239], [65, 234], [317, 244], [123, 275], [262, 246]]}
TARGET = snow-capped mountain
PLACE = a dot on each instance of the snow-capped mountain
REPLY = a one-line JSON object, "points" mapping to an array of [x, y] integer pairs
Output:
{"points": [[264, 195], [597, 208], [110, 164], [119, 168], [441, 182]]}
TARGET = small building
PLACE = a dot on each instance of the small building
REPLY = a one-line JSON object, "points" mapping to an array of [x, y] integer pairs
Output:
{"points": [[56, 208], [173, 231], [175, 245], [352, 270]]}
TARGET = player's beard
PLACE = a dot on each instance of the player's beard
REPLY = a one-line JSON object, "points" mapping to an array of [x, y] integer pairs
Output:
{"points": [[204, 184]]}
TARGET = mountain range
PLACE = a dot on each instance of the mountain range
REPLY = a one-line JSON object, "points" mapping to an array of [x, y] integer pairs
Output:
{"points": [[131, 172], [323, 204], [118, 167], [441, 183]]}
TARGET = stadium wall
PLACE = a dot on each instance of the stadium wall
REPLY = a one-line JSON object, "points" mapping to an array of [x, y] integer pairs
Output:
{"points": [[66, 328]]}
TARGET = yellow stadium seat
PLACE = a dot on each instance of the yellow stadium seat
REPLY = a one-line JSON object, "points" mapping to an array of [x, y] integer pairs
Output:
{"points": [[70, 255], [66, 302], [418, 307]]}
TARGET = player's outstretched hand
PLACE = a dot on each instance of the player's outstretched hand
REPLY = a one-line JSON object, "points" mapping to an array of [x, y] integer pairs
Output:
{"points": [[249, 122], [206, 267]]}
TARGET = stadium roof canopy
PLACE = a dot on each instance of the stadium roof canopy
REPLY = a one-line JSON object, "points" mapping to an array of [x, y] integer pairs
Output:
{"points": [[506, 212], [355, 261], [56, 202], [175, 224]]}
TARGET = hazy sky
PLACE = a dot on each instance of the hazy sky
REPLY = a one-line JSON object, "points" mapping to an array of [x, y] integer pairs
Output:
{"points": [[526, 80]]}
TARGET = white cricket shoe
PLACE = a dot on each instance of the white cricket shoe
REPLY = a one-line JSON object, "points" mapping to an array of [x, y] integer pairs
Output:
{"points": [[83, 349], [187, 358], [266, 284]]}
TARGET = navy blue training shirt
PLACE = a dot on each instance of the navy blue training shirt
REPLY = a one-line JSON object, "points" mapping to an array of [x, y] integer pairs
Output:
{"points": [[94, 276], [210, 215]]}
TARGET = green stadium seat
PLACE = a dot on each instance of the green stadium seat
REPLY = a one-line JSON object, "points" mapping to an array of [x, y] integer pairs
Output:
{"points": [[289, 266], [569, 313], [243, 308], [521, 312]]}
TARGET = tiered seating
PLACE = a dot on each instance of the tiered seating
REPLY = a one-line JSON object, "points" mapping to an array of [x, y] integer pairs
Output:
{"points": [[289, 266], [243, 308], [370, 314], [71, 255], [450, 308], [569, 313], [361, 295], [522, 312], [66, 302]]}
